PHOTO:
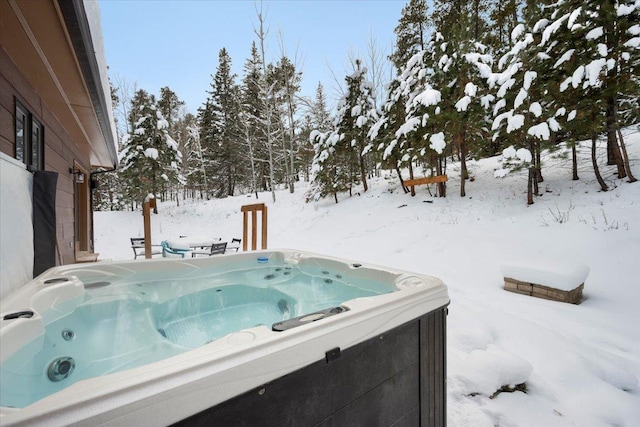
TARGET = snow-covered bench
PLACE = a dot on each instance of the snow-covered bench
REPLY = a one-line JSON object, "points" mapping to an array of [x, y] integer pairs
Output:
{"points": [[552, 280]]}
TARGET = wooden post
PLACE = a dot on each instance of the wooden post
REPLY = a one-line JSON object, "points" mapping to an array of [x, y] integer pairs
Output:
{"points": [[264, 228], [254, 209], [146, 213], [244, 229]]}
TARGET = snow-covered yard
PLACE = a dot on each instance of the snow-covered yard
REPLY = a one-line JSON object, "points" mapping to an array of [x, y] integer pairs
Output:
{"points": [[580, 363]]}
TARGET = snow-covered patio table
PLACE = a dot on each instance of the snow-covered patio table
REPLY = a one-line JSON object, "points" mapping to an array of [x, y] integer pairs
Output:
{"points": [[187, 244]]}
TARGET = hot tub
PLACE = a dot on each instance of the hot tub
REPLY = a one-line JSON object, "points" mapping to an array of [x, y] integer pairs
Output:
{"points": [[270, 337]]}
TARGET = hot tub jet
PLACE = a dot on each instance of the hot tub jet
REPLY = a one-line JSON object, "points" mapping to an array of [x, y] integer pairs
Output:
{"points": [[61, 368]]}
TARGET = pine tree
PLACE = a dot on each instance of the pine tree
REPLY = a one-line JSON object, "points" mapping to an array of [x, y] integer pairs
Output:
{"points": [[332, 165], [411, 32], [320, 116], [356, 113], [416, 139], [286, 86], [193, 159], [316, 118], [151, 157], [525, 88], [107, 187], [251, 120], [461, 69], [411, 39], [220, 130], [204, 154], [504, 18], [466, 16], [597, 40], [383, 133], [171, 107], [341, 153]]}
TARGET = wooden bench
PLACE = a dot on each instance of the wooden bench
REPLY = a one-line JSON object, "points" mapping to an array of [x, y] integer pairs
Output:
{"points": [[425, 180], [137, 244]]}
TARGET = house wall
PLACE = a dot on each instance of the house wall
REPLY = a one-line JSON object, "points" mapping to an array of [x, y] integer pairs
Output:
{"points": [[61, 152]]}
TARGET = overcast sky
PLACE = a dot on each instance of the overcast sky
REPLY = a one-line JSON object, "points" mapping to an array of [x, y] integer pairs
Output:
{"points": [[176, 43]]}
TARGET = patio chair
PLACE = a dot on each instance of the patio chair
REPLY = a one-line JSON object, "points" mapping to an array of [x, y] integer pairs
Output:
{"points": [[215, 249], [137, 244], [169, 252], [235, 245]]}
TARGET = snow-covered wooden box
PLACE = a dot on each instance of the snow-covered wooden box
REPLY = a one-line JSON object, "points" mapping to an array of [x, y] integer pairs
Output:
{"points": [[551, 280]]}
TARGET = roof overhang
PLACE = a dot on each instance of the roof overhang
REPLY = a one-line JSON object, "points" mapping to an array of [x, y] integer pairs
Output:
{"points": [[82, 19]]}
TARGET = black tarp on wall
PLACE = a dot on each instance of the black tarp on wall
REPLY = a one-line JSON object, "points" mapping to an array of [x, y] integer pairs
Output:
{"points": [[44, 220]]}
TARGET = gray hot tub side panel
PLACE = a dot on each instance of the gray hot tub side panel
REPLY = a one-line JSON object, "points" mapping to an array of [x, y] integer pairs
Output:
{"points": [[397, 378]]}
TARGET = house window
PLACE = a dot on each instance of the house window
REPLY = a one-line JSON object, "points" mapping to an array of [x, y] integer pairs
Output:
{"points": [[29, 139]]}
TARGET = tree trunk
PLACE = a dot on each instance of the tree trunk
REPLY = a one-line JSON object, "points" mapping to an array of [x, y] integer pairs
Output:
{"points": [[288, 172], [413, 188], [611, 134], [267, 102], [612, 145], [530, 180], [574, 162], [613, 151], [596, 170], [539, 177], [534, 165], [292, 134], [153, 186], [463, 167], [229, 180], [441, 166], [623, 146], [252, 163], [363, 172], [400, 178], [626, 156]]}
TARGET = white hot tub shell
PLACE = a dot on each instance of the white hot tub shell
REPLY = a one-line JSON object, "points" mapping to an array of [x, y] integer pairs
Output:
{"points": [[256, 366]]}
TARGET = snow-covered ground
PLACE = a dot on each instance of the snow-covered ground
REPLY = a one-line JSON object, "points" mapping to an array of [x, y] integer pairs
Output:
{"points": [[580, 363]]}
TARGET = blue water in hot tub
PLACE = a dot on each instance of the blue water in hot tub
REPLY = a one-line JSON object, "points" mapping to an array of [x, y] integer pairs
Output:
{"points": [[121, 326]]}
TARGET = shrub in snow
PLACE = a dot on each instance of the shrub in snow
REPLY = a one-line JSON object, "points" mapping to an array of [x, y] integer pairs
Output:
{"points": [[486, 372]]}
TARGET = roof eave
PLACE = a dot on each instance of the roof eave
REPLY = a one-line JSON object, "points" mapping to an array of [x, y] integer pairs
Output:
{"points": [[95, 76]]}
